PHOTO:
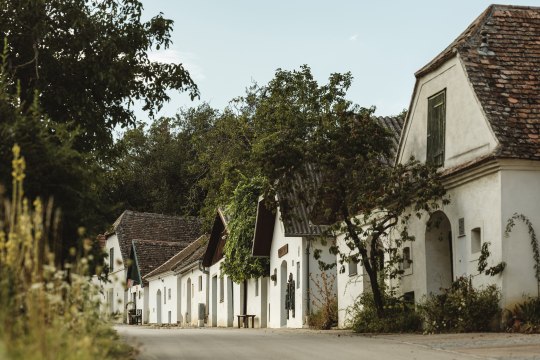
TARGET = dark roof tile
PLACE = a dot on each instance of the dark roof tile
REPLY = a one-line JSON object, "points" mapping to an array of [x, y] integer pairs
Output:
{"points": [[139, 225]]}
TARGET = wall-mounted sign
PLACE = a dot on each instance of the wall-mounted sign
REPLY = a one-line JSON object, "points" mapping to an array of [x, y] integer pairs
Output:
{"points": [[283, 250]]}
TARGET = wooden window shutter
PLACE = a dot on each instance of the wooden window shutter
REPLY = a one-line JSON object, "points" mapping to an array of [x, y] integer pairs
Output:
{"points": [[436, 129]]}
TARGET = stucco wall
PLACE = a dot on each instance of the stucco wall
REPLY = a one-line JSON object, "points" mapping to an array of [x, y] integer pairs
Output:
{"points": [[349, 286], [468, 134], [277, 289], [478, 202], [520, 194], [117, 281], [197, 295], [166, 284], [221, 310]]}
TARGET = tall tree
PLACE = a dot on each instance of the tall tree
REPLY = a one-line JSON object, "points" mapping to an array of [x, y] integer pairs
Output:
{"points": [[359, 191], [64, 178], [88, 60], [158, 168]]}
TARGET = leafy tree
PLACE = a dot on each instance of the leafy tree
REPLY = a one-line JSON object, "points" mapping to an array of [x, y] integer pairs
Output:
{"points": [[88, 60], [238, 263], [223, 146], [302, 129], [63, 177]]}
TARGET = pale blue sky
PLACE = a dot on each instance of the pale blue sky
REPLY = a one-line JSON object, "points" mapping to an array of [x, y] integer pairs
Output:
{"points": [[228, 44]]}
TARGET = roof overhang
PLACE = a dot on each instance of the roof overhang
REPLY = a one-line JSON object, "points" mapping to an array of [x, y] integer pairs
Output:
{"points": [[264, 231]]}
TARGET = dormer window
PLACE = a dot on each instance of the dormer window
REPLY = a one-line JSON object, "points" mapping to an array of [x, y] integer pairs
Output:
{"points": [[436, 129]]}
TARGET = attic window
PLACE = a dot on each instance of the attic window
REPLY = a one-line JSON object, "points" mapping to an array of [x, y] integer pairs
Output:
{"points": [[436, 129]]}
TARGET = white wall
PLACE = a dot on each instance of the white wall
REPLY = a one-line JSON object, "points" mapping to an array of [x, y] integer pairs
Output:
{"points": [[166, 284], [222, 309], [276, 289], [479, 203], [349, 286], [520, 194], [114, 295], [197, 292], [257, 301], [468, 134]]}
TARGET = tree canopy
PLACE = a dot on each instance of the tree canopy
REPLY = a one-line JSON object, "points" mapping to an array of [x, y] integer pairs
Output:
{"points": [[360, 192], [88, 61], [238, 263]]}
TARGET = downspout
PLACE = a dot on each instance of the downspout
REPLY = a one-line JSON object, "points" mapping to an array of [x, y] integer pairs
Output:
{"points": [[207, 273], [308, 305]]}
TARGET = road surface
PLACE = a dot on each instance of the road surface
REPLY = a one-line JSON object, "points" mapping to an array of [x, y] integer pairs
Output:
{"points": [[218, 343]]}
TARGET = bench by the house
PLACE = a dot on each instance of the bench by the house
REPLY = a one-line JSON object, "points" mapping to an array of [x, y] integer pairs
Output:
{"points": [[135, 316], [245, 320]]}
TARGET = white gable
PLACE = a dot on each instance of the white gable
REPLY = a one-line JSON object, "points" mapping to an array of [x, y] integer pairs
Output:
{"points": [[468, 134]]}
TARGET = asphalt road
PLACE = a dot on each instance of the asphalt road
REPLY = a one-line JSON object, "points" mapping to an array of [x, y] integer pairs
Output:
{"points": [[216, 343]]}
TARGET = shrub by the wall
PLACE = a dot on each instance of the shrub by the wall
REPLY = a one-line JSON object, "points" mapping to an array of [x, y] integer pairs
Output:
{"points": [[461, 308], [400, 316]]}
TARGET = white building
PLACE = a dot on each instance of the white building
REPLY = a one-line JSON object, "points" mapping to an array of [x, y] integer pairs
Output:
{"points": [[123, 273], [177, 290], [475, 113], [290, 245], [221, 290]]}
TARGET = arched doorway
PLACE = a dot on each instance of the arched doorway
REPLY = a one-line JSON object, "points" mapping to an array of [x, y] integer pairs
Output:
{"points": [[283, 292], [439, 258], [188, 302], [158, 306]]}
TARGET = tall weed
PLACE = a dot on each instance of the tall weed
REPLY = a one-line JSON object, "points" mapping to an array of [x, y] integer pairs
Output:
{"points": [[46, 312]]}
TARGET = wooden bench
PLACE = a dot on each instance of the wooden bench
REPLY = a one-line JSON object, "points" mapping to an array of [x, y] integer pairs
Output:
{"points": [[245, 320]]}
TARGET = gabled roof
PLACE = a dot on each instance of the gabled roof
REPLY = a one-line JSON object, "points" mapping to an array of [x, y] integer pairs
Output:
{"points": [[140, 225], [150, 254], [394, 125], [192, 253], [216, 242], [500, 52]]}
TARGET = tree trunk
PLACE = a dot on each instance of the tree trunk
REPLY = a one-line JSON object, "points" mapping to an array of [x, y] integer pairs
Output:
{"points": [[371, 269]]}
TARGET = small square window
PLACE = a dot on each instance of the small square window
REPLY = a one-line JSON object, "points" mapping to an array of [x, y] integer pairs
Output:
{"points": [[353, 267], [476, 240], [407, 258]]}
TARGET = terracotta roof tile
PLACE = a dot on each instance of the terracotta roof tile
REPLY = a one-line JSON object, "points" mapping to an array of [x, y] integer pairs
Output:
{"points": [[501, 54]]}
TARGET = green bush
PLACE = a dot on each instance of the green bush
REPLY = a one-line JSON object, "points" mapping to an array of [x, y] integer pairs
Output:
{"points": [[400, 316], [527, 316], [461, 308]]}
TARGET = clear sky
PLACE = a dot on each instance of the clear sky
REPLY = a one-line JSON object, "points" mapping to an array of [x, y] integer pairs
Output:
{"points": [[226, 45]]}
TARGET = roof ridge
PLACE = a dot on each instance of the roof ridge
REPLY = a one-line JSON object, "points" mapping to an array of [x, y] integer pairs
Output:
{"points": [[451, 49], [158, 241]]}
